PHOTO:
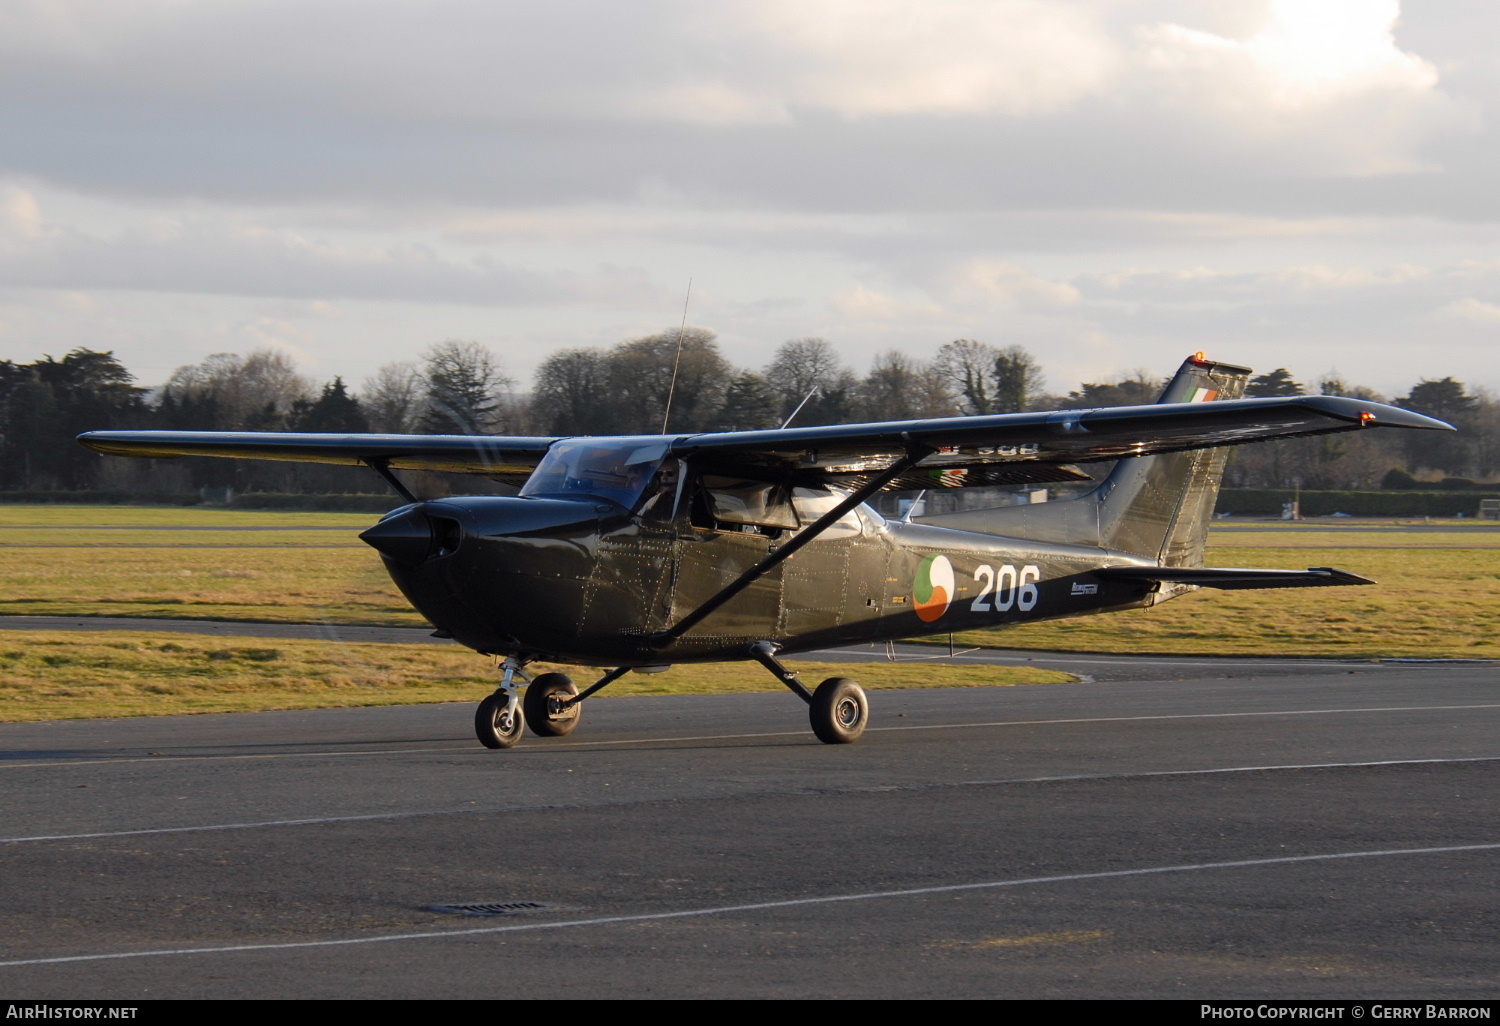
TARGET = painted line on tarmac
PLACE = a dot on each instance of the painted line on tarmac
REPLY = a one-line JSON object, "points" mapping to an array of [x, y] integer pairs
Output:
{"points": [[803, 791], [763, 906], [470, 751]]}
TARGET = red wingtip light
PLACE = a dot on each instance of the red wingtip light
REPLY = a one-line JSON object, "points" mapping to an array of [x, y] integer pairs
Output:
{"points": [[1366, 418]]}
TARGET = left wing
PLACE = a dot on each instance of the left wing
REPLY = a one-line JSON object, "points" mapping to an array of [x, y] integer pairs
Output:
{"points": [[505, 459]]}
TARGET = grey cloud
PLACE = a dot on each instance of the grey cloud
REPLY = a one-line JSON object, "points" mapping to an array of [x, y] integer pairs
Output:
{"points": [[511, 105], [212, 258]]}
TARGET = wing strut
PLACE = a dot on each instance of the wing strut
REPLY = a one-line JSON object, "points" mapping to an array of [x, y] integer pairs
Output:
{"points": [[915, 453], [383, 468]]}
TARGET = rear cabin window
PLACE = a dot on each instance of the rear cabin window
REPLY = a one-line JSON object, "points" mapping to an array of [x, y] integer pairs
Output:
{"points": [[812, 503], [736, 503]]}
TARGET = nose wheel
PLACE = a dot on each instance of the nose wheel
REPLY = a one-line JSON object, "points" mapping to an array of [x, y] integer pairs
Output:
{"points": [[498, 721]]}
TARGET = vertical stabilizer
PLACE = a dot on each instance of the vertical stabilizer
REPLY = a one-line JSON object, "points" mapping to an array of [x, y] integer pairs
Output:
{"points": [[1160, 506]]}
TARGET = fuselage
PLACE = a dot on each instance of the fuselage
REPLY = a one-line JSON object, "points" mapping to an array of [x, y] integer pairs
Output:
{"points": [[591, 582]]}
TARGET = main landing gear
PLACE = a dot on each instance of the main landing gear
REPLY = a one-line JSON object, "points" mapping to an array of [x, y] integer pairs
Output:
{"points": [[838, 709], [552, 704]]}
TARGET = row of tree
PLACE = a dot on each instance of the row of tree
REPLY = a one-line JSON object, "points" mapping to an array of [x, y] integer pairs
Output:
{"points": [[671, 381]]}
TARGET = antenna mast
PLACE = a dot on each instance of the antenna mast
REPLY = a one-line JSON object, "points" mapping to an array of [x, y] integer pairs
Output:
{"points": [[681, 330]]}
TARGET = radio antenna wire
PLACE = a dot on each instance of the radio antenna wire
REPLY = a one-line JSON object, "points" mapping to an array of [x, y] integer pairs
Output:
{"points": [[677, 362]]}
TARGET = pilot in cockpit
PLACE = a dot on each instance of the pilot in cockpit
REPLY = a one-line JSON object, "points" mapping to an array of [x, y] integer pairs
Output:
{"points": [[661, 497]]}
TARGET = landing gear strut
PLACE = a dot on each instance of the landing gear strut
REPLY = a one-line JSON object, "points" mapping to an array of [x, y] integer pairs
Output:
{"points": [[838, 709], [498, 721]]}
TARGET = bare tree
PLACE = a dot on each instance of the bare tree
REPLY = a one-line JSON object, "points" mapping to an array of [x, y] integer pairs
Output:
{"points": [[572, 394], [988, 379], [968, 366], [467, 391], [641, 376], [810, 366], [250, 393], [393, 398]]}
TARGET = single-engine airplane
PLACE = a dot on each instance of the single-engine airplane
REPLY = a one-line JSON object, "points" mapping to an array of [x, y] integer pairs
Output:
{"points": [[637, 552]]}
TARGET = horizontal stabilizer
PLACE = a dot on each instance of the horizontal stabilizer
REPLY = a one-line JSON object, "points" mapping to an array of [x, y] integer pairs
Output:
{"points": [[1234, 577]]}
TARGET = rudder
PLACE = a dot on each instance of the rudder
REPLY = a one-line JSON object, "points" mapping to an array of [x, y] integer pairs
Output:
{"points": [[1160, 507]]}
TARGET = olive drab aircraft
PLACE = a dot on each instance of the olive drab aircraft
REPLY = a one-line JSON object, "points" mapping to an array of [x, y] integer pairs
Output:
{"points": [[639, 552]]}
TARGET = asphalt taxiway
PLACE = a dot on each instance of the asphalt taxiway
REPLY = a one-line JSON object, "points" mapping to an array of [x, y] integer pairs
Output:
{"points": [[1231, 829]]}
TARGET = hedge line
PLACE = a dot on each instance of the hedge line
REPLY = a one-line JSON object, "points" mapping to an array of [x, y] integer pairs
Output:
{"points": [[1266, 502], [354, 503], [102, 498], [350, 503]]}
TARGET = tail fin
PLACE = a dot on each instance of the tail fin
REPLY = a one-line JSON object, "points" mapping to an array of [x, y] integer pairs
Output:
{"points": [[1160, 506], [1157, 507]]}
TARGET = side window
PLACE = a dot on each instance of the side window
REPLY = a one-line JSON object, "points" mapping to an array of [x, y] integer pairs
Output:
{"points": [[813, 503], [734, 504]]}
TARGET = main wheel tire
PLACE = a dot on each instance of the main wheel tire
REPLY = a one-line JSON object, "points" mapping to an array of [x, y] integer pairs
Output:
{"points": [[494, 726], [544, 713], [839, 711]]}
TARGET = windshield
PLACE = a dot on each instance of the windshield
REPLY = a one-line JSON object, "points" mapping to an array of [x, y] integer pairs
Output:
{"points": [[616, 469]]}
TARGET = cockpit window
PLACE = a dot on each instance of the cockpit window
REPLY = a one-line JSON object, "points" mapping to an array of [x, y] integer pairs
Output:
{"points": [[614, 470]]}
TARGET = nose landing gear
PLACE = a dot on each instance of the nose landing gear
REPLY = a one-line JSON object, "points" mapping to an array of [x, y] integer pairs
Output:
{"points": [[498, 721]]}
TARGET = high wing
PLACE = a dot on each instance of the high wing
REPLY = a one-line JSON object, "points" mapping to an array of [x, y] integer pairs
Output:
{"points": [[955, 451], [1008, 446], [504, 459]]}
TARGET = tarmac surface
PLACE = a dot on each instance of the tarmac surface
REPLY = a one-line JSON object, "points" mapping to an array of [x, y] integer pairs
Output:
{"points": [[1174, 828]]}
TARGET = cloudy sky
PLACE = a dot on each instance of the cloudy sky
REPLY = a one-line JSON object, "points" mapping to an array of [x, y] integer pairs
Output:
{"points": [[1111, 183]]}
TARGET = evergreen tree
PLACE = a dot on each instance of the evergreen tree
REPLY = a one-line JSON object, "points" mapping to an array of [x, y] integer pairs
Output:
{"points": [[335, 410], [1276, 382], [1017, 380], [749, 404]]}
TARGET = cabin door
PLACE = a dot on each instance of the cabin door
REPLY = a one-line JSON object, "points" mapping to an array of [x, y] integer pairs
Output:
{"points": [[725, 526]]}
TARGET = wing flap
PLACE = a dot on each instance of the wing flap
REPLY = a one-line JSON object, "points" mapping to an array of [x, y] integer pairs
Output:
{"points": [[1235, 577]]}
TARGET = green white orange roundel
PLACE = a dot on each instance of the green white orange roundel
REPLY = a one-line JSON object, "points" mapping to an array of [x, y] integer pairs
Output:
{"points": [[932, 589]]}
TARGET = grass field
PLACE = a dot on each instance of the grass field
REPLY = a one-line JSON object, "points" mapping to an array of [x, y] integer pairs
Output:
{"points": [[1438, 592], [52, 675]]}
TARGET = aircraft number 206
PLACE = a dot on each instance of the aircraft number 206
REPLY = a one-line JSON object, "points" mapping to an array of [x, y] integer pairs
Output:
{"points": [[1005, 588]]}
